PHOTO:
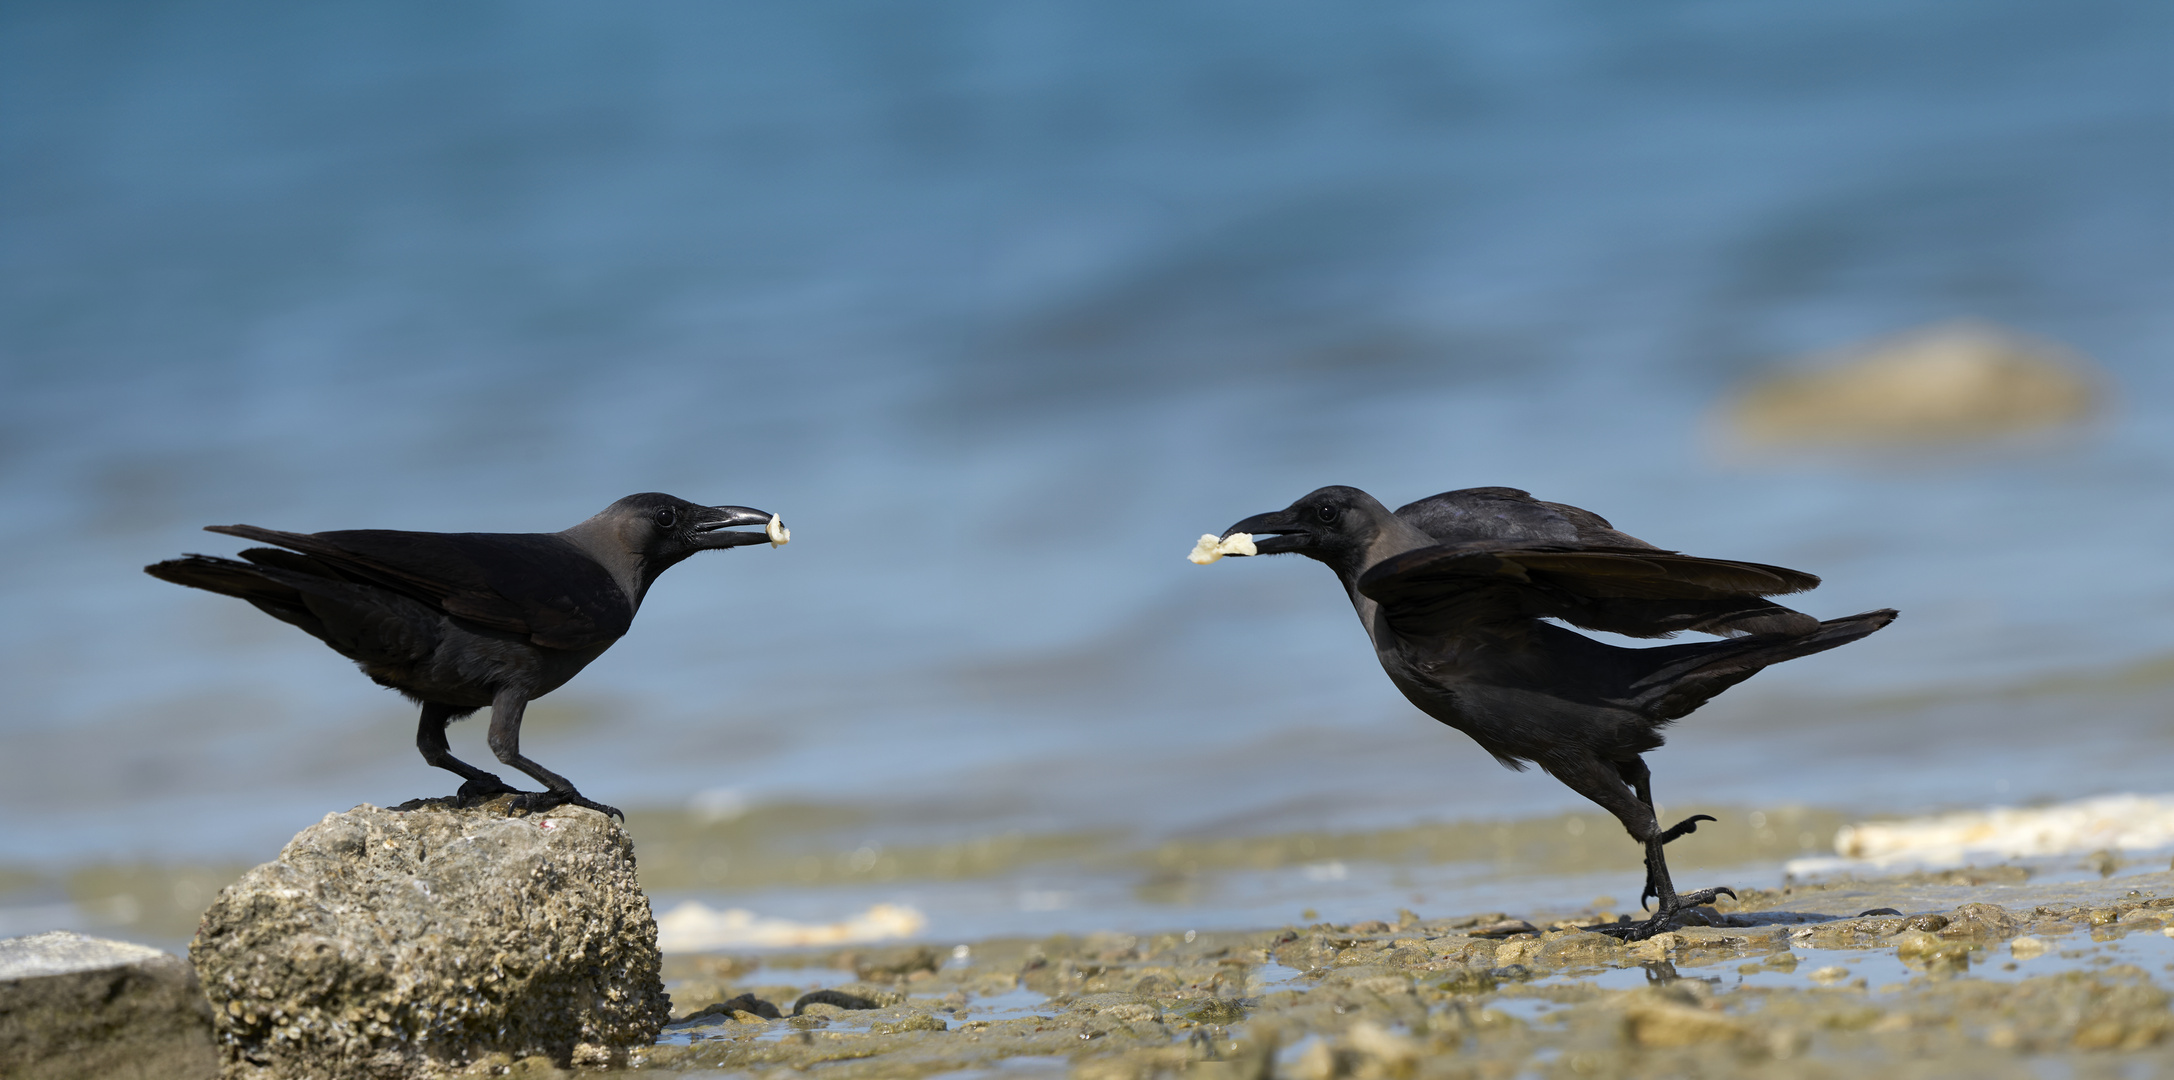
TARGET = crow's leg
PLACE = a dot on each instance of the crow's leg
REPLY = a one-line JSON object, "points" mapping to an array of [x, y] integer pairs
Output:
{"points": [[1635, 773], [1601, 782], [430, 739], [506, 710]]}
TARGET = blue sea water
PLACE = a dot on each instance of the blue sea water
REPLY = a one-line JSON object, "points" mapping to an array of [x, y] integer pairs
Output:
{"points": [[1000, 305]]}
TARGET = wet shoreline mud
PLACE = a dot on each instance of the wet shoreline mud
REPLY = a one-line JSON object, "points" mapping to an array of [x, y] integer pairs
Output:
{"points": [[1962, 972], [2006, 969]]}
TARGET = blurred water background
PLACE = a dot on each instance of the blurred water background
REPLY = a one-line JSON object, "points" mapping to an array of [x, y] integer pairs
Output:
{"points": [[1000, 305]]}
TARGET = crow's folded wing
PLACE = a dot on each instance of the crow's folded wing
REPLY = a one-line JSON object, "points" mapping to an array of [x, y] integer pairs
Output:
{"points": [[534, 584], [1641, 592], [1508, 516]]}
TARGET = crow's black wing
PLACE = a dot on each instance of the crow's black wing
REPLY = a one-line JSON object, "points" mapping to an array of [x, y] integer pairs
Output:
{"points": [[534, 584], [1509, 516], [1640, 592]]}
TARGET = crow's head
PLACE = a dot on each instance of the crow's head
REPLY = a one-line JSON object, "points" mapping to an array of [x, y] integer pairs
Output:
{"points": [[668, 528], [1337, 525], [644, 535]]}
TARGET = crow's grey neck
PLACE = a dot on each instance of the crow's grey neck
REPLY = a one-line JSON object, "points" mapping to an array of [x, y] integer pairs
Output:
{"points": [[603, 538], [1393, 536]]}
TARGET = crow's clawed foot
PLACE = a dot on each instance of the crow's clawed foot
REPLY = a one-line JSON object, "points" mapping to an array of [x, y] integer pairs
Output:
{"points": [[1640, 930], [1626, 930], [1664, 920], [536, 802]]}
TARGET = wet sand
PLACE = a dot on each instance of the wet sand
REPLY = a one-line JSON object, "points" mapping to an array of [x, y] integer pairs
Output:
{"points": [[1977, 972], [2055, 966]]}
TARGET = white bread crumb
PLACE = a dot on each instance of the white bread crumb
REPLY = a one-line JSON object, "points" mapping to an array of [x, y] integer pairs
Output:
{"points": [[1211, 548]]}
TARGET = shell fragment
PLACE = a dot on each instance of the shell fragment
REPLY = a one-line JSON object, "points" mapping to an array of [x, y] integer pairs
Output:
{"points": [[1211, 548], [777, 532]]}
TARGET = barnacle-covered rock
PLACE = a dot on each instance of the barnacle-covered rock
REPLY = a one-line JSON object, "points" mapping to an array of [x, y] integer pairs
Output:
{"points": [[390, 943]]}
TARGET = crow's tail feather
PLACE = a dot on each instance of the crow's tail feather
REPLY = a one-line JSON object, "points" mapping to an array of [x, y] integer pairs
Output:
{"points": [[1685, 682], [246, 581], [224, 576]]}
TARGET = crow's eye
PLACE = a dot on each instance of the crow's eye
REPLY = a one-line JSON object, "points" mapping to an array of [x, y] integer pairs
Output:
{"points": [[667, 516], [1326, 513]]}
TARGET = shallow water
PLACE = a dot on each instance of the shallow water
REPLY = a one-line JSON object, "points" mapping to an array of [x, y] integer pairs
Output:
{"points": [[999, 309]]}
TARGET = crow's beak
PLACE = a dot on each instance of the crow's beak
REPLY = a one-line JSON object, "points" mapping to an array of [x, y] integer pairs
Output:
{"points": [[710, 529], [1274, 532]]}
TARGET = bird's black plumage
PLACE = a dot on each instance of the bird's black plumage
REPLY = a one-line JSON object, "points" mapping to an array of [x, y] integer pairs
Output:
{"points": [[457, 621], [1457, 592]]}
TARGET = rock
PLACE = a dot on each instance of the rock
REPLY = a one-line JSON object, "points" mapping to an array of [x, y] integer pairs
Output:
{"points": [[1936, 953], [1456, 948], [1651, 1019], [1396, 1053], [1984, 921], [1502, 928], [536, 1067], [1471, 980], [916, 1022], [74, 1006], [1318, 1062], [1518, 950], [1954, 383], [1567, 947], [1131, 1012], [1384, 985], [1365, 1051], [1658, 946], [395, 943]]}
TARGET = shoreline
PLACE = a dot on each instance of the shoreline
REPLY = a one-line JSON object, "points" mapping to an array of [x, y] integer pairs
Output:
{"points": [[1982, 972]]}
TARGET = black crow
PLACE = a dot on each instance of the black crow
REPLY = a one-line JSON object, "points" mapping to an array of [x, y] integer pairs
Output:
{"points": [[457, 621], [1457, 590]]}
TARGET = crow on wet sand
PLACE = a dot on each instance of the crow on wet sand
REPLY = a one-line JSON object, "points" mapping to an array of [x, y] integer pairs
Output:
{"points": [[1457, 591], [457, 621]]}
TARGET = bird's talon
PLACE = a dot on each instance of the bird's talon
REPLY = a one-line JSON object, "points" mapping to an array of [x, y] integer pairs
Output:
{"points": [[1685, 827], [607, 811], [1705, 896], [536, 802], [575, 798]]}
